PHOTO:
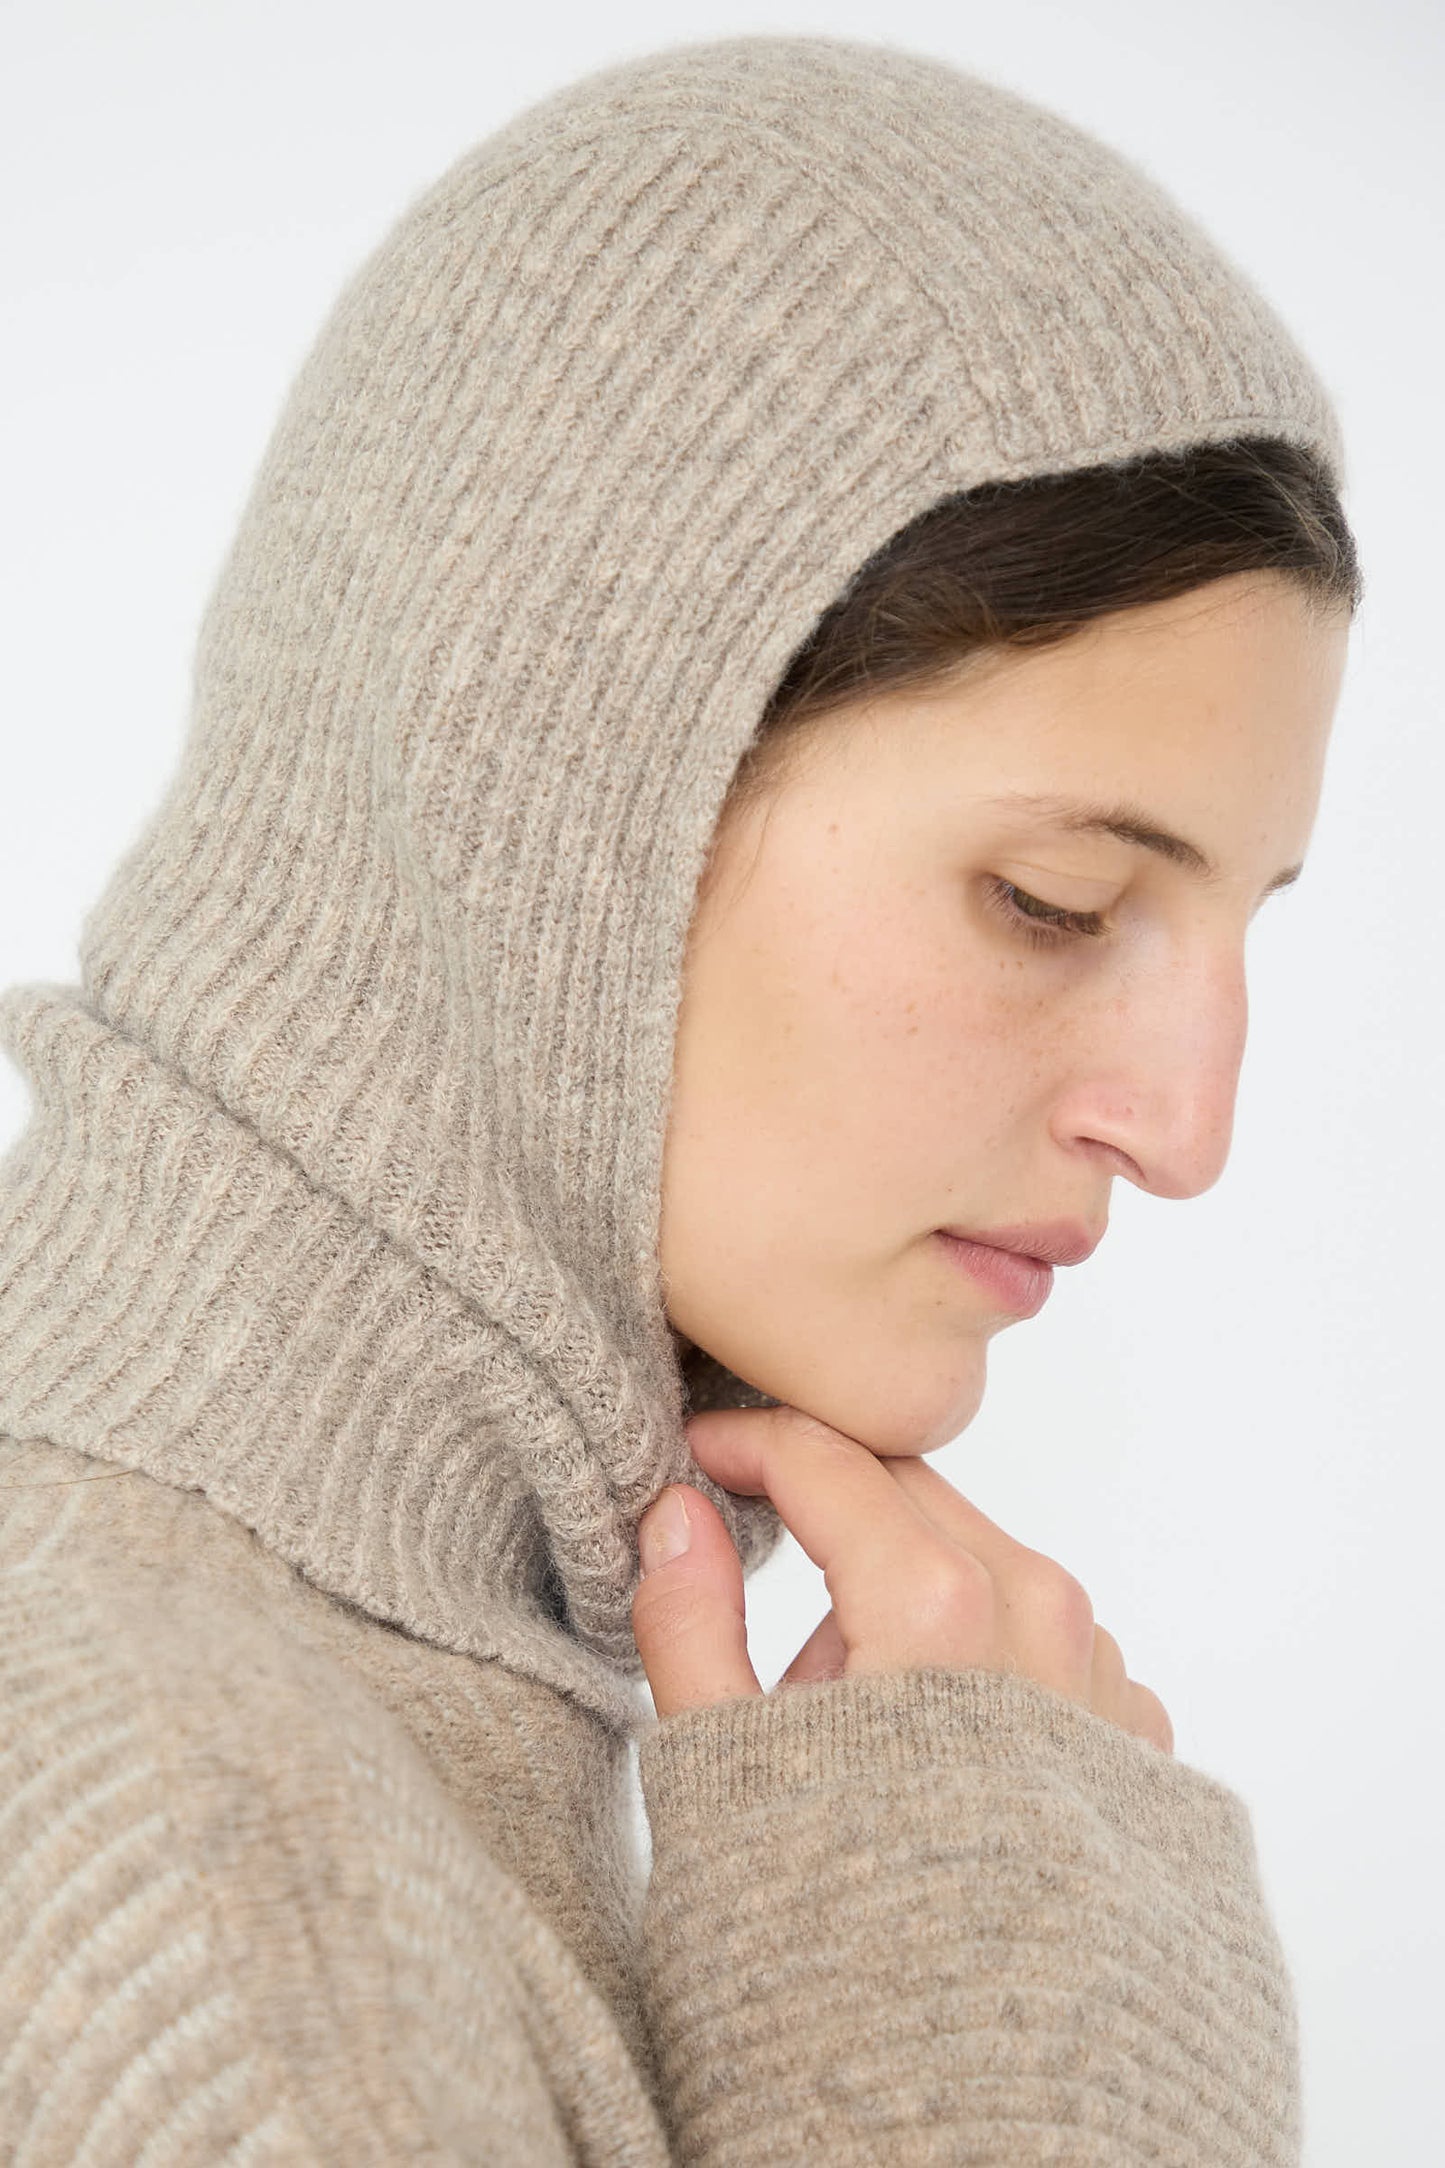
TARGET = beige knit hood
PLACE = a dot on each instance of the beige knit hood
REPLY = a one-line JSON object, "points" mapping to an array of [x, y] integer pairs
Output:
{"points": [[339, 1197]]}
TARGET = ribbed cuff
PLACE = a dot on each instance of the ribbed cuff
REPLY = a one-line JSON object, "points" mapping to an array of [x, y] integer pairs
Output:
{"points": [[721, 1761]]}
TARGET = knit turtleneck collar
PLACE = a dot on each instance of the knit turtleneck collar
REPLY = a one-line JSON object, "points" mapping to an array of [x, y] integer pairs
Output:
{"points": [[179, 1298], [340, 1196]]}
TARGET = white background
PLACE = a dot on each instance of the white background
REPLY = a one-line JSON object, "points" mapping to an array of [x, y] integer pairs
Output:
{"points": [[1227, 1424]]}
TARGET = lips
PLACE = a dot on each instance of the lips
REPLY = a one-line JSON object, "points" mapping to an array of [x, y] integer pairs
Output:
{"points": [[1020, 1284], [1048, 1242]]}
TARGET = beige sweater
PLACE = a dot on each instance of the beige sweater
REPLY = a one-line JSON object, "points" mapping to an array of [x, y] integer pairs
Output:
{"points": [[335, 1372], [281, 1884]]}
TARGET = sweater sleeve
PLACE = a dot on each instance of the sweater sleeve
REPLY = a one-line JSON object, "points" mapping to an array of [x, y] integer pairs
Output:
{"points": [[946, 1915]]}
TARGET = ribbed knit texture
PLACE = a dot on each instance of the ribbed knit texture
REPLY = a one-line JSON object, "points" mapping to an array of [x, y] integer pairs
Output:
{"points": [[334, 1364]]}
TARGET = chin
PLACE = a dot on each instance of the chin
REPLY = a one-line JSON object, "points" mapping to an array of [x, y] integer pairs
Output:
{"points": [[905, 1428]]}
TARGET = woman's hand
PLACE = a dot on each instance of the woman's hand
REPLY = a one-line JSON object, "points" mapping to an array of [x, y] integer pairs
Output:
{"points": [[917, 1575]]}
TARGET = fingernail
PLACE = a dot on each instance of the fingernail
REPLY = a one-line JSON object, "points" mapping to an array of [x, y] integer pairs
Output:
{"points": [[663, 1532]]}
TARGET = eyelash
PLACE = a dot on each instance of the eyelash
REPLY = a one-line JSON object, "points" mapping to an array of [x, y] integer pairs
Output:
{"points": [[1052, 931]]}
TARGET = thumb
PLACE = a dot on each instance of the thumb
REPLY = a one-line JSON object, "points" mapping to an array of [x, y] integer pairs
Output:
{"points": [[687, 1614]]}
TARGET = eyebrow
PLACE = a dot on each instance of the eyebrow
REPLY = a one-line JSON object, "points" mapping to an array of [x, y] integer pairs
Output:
{"points": [[1128, 824]]}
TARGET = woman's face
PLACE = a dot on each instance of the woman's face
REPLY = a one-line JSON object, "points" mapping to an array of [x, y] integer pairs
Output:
{"points": [[868, 1051]]}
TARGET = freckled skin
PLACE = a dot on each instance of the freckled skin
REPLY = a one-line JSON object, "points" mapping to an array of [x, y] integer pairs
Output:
{"points": [[866, 1051]]}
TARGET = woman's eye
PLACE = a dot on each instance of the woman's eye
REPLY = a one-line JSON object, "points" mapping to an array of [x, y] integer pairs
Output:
{"points": [[1043, 925]]}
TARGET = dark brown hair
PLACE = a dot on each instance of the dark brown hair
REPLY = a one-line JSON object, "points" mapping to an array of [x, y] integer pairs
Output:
{"points": [[1024, 564]]}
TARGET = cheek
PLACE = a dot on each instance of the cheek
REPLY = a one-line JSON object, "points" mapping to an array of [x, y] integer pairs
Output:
{"points": [[892, 1043], [945, 1039], [920, 990], [902, 1032]]}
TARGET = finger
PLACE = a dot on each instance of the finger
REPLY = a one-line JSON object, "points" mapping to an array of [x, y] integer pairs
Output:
{"points": [[1046, 1611], [930, 1492], [849, 1515], [823, 1655], [688, 1617], [954, 1515], [1108, 1683], [1149, 1717]]}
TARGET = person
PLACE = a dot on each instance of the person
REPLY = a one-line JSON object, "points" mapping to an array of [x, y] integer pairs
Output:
{"points": [[524, 1069]]}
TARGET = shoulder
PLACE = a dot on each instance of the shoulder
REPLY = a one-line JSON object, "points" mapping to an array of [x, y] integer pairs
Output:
{"points": [[232, 1891], [117, 2016]]}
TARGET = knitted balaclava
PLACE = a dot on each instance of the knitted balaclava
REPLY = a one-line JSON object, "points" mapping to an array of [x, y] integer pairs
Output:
{"points": [[339, 1200]]}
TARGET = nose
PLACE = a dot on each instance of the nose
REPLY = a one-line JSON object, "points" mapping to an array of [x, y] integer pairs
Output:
{"points": [[1157, 1091]]}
